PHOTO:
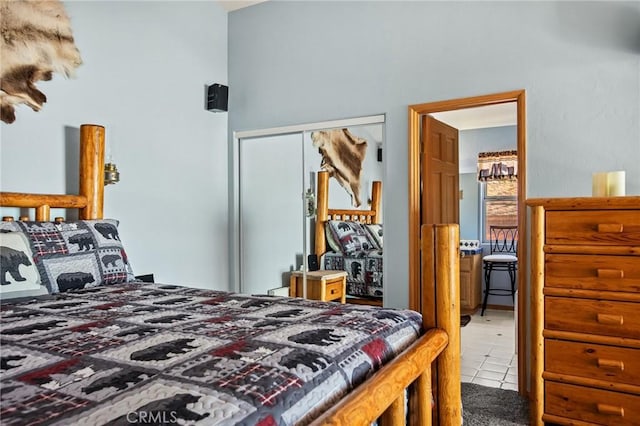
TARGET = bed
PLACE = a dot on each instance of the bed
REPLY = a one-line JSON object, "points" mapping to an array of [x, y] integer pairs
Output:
{"points": [[351, 241], [127, 351]]}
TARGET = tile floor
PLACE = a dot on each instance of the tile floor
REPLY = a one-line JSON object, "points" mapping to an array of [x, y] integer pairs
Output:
{"points": [[488, 350]]}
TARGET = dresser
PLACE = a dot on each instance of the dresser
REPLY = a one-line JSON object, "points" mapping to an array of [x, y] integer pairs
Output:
{"points": [[585, 310]]}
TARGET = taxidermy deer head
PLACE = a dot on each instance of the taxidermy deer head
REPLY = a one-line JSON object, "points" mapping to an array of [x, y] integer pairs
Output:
{"points": [[35, 42]]}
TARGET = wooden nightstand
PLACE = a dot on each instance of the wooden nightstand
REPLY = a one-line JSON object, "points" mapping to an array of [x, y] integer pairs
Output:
{"points": [[321, 285]]}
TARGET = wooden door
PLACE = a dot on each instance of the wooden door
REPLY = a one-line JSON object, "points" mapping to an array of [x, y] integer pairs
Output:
{"points": [[440, 172]]}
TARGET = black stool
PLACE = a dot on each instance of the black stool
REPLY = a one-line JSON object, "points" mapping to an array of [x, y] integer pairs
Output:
{"points": [[502, 258]]}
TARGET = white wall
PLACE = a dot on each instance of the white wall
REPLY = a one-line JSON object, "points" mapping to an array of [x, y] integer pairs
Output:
{"points": [[145, 68], [297, 62]]}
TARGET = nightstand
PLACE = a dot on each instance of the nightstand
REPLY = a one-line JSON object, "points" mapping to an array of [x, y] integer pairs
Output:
{"points": [[321, 285]]}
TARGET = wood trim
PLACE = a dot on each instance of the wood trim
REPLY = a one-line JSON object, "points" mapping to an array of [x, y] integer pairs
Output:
{"points": [[594, 383], [592, 294], [599, 250], [415, 219], [414, 113], [586, 203], [564, 421], [536, 408], [592, 338], [20, 199]]}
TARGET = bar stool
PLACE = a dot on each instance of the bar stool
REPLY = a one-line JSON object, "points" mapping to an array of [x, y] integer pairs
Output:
{"points": [[503, 240]]}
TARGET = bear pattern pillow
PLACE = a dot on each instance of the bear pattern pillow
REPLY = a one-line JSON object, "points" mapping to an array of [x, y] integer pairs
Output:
{"points": [[19, 274], [75, 255], [375, 232], [351, 237]]}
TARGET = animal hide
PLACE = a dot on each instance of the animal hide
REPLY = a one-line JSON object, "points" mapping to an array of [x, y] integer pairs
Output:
{"points": [[342, 156], [36, 42]]}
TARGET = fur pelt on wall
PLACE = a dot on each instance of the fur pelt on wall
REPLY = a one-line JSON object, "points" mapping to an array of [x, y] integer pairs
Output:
{"points": [[36, 41], [342, 156]]}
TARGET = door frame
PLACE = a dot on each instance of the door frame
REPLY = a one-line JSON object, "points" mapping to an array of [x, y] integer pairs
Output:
{"points": [[415, 112]]}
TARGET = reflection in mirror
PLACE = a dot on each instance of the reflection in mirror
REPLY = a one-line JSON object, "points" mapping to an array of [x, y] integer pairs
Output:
{"points": [[352, 159], [277, 200]]}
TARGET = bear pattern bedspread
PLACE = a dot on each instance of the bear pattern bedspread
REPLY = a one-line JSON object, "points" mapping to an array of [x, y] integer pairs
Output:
{"points": [[135, 352]]}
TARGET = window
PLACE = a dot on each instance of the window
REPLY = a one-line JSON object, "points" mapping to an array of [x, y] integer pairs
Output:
{"points": [[499, 204]]}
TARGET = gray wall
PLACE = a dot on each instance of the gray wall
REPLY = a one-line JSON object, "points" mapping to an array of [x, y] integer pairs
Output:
{"points": [[297, 62], [145, 68]]}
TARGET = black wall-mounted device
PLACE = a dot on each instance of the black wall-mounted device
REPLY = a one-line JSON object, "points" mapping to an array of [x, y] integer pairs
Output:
{"points": [[312, 261], [217, 97]]}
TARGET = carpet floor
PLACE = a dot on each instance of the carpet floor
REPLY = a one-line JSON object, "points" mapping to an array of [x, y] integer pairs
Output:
{"points": [[482, 405]]}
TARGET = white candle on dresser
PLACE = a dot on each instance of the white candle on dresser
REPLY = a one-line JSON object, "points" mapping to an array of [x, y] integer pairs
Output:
{"points": [[599, 185], [616, 183]]}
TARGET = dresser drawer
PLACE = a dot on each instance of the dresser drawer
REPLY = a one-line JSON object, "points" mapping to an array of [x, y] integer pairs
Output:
{"points": [[591, 405], [601, 362], [589, 316], [593, 272], [604, 227]]}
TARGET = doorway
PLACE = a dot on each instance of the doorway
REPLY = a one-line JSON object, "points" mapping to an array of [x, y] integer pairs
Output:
{"points": [[415, 196]]}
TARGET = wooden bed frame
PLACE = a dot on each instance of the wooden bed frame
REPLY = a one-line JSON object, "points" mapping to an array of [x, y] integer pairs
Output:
{"points": [[324, 214], [429, 367]]}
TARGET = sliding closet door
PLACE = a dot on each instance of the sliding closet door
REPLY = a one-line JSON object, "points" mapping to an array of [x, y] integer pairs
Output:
{"points": [[271, 211]]}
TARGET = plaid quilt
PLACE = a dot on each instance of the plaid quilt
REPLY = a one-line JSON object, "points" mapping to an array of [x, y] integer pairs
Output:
{"points": [[364, 271], [161, 354]]}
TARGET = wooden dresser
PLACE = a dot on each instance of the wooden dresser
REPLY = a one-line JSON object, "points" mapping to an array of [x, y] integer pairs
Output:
{"points": [[585, 317]]}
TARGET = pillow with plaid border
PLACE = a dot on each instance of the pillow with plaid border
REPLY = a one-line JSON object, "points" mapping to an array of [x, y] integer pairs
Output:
{"points": [[375, 234], [350, 237], [19, 275], [74, 255]]}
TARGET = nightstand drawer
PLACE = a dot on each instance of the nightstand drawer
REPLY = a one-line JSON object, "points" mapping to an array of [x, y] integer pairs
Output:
{"points": [[593, 272], [600, 362], [589, 316], [606, 227], [335, 289], [591, 405]]}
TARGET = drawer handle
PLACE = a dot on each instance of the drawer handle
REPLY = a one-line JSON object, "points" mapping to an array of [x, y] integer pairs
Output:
{"points": [[334, 291], [610, 410], [611, 364], [610, 227], [609, 319], [610, 273]]}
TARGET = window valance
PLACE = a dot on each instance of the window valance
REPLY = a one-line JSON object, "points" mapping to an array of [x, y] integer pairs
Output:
{"points": [[498, 165]]}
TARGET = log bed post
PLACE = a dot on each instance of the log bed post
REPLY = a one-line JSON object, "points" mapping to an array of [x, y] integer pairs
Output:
{"points": [[322, 209], [440, 307], [90, 199], [376, 199], [92, 170]]}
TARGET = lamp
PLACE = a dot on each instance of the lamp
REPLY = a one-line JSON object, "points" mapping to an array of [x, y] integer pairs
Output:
{"points": [[111, 174]]}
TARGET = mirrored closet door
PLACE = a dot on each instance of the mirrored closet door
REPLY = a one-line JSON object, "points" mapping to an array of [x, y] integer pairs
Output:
{"points": [[276, 193], [271, 211]]}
